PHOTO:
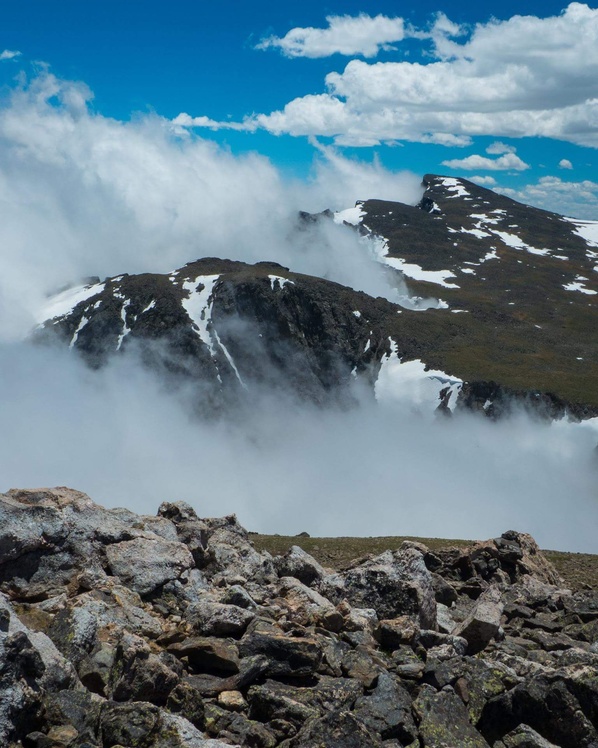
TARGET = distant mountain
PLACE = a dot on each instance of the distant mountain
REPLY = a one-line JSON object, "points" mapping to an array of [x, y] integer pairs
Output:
{"points": [[521, 285], [516, 317]]}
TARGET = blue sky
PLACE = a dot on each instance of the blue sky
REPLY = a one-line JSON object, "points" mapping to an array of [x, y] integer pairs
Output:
{"points": [[200, 59]]}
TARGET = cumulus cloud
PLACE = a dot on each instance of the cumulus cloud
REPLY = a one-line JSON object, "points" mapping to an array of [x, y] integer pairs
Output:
{"points": [[9, 54], [497, 148], [483, 181], [525, 76], [577, 199], [475, 163], [564, 163], [346, 35]]}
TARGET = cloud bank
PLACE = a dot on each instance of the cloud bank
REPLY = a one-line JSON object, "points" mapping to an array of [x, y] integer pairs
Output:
{"points": [[82, 194], [522, 77]]}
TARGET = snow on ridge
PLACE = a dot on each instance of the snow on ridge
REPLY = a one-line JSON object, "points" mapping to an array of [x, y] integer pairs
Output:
{"points": [[274, 279], [410, 270], [409, 383], [64, 302], [349, 215], [455, 185], [587, 230], [126, 329], [198, 306]]}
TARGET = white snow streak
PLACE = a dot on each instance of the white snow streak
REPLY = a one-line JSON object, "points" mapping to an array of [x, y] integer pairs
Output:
{"points": [[409, 383]]}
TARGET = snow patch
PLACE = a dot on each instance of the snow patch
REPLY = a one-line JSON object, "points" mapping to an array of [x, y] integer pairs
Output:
{"points": [[282, 282], [410, 383], [588, 230], [350, 215], [578, 286], [455, 186], [61, 304], [198, 306], [409, 269]]}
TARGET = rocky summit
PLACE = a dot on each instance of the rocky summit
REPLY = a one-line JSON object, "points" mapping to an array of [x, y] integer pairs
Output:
{"points": [[172, 631], [496, 305]]}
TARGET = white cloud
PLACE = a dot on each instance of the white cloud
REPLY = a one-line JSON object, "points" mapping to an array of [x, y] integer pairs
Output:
{"points": [[564, 163], [497, 148], [577, 199], [82, 194], [522, 77], [473, 163], [9, 54], [484, 181], [345, 35]]}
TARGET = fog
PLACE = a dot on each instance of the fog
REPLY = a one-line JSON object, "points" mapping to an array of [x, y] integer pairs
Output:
{"points": [[82, 195]]}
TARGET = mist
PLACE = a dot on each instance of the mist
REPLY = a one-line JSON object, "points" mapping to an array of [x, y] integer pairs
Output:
{"points": [[84, 195]]}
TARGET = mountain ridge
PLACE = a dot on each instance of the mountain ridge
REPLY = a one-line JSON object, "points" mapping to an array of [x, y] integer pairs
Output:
{"points": [[509, 323]]}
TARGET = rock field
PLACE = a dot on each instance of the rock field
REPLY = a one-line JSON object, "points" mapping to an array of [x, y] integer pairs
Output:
{"points": [[122, 630]]}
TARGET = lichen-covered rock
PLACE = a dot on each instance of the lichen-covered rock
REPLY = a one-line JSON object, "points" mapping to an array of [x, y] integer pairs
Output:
{"points": [[386, 710], [393, 584], [443, 721]]}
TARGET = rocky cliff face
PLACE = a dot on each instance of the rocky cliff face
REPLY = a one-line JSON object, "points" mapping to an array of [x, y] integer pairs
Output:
{"points": [[173, 632]]}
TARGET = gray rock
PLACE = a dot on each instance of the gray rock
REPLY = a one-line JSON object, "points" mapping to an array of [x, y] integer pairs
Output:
{"points": [[387, 710], [393, 584], [128, 724], [286, 655], [219, 619], [483, 623], [443, 721], [335, 730], [208, 654], [306, 606], [145, 563], [299, 564], [524, 737]]}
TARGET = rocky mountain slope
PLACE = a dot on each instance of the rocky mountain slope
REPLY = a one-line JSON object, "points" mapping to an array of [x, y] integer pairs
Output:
{"points": [[520, 284], [512, 314], [174, 632]]}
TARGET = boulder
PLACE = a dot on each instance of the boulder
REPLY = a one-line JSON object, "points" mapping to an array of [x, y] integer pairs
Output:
{"points": [[386, 710], [393, 584], [286, 655], [335, 730], [483, 622], [145, 563], [299, 564], [443, 721], [218, 619]]}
